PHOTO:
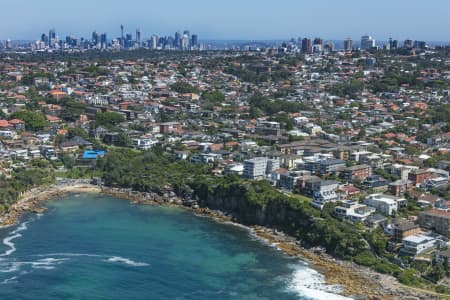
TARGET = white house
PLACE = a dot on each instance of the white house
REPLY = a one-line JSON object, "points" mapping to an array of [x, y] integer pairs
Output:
{"points": [[354, 211], [384, 203]]}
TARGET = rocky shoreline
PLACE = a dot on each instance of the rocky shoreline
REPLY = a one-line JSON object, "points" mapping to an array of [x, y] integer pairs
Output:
{"points": [[357, 282]]}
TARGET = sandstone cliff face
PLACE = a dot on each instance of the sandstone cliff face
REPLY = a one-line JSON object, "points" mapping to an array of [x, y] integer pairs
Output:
{"points": [[275, 214]]}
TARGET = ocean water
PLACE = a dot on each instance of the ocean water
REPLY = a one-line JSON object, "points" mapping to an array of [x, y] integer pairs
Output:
{"points": [[89, 246]]}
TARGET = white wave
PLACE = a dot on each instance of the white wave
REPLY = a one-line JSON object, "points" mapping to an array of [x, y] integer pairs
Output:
{"points": [[13, 235], [6, 281], [8, 242], [47, 263], [310, 283], [20, 228], [50, 261], [70, 255], [127, 261], [10, 267], [43, 267]]}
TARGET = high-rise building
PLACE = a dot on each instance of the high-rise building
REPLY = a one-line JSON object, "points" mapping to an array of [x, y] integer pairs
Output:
{"points": [[408, 44], [52, 38], [154, 42], [194, 41], [128, 40], [185, 42], [138, 37], [394, 44], [348, 44], [177, 40], [95, 39], [122, 38], [44, 38], [8, 44], [103, 41], [169, 42], [420, 44], [367, 42], [306, 46], [318, 41]]}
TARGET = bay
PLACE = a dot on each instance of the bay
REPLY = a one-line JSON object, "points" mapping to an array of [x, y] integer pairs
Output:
{"points": [[93, 246]]}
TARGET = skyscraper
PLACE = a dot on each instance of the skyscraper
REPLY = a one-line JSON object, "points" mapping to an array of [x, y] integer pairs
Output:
{"points": [[177, 40], [408, 44], [52, 38], [169, 42], [306, 46], [95, 39], [122, 38], [317, 45], [194, 40], [154, 42], [103, 41], [138, 38], [367, 42], [44, 38], [185, 42], [128, 40], [348, 44]]}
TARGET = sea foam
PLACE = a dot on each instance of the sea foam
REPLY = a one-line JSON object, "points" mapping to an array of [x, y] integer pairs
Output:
{"points": [[13, 235], [310, 283], [127, 261]]}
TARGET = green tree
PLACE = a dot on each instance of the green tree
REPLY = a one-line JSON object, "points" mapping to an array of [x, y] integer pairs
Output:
{"points": [[72, 109], [34, 121]]}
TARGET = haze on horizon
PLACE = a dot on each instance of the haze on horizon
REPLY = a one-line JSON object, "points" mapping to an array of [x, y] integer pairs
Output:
{"points": [[231, 19]]}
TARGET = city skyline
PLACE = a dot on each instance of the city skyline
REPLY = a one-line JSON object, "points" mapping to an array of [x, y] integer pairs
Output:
{"points": [[236, 21]]}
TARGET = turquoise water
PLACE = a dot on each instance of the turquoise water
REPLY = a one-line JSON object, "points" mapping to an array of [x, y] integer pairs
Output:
{"points": [[91, 246]]}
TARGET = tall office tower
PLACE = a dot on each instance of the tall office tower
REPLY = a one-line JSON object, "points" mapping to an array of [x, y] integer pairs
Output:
{"points": [[44, 38], [299, 43], [128, 40], [8, 44], [104, 41], [138, 37], [71, 41], [194, 40], [395, 44], [317, 45], [318, 41], [177, 40], [122, 38], [389, 45], [420, 44], [95, 39], [306, 46], [185, 42], [408, 44], [187, 34], [154, 42], [161, 42], [169, 42], [367, 42], [348, 44], [52, 38]]}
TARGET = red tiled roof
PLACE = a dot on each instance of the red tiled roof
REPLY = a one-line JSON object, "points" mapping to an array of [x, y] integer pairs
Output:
{"points": [[15, 121], [4, 123]]}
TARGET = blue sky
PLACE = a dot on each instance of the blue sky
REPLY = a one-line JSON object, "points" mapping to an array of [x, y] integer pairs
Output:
{"points": [[230, 19]]}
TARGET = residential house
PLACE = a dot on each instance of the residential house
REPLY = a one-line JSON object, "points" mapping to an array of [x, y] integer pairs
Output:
{"points": [[385, 204], [354, 211]]}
